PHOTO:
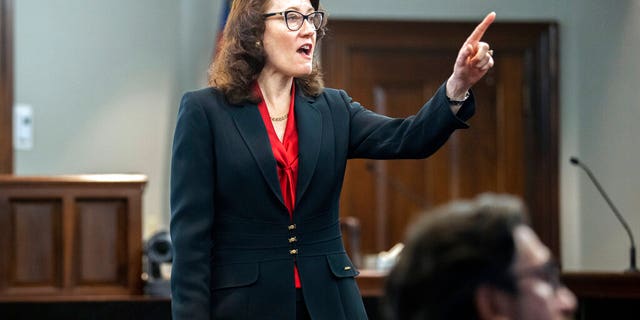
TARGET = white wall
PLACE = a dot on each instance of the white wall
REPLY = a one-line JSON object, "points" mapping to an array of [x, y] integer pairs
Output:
{"points": [[105, 77], [608, 112]]}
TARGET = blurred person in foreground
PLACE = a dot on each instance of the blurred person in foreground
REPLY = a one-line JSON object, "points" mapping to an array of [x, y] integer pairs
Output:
{"points": [[477, 259]]}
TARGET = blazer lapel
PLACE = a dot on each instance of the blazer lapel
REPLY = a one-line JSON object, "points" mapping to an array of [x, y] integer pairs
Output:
{"points": [[251, 127], [309, 123]]}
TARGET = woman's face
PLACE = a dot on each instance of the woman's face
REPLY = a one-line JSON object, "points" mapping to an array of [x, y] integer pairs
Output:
{"points": [[289, 53]]}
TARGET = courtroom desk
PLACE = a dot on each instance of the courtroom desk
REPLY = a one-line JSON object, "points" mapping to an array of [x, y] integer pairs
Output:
{"points": [[605, 295], [603, 285], [70, 235], [600, 295], [132, 308], [136, 307], [371, 284], [583, 284]]}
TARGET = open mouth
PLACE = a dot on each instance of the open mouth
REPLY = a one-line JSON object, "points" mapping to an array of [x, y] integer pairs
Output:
{"points": [[305, 50]]}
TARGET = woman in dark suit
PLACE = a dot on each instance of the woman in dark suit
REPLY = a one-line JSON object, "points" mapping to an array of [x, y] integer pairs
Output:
{"points": [[258, 164]]}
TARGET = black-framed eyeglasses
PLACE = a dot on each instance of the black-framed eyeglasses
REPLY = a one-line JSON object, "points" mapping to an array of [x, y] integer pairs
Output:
{"points": [[548, 272], [294, 19]]}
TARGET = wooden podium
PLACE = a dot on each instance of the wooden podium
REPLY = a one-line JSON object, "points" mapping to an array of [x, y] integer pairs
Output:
{"points": [[70, 237]]}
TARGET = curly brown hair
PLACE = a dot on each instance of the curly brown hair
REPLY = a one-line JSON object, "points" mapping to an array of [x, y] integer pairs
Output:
{"points": [[240, 58], [450, 252]]}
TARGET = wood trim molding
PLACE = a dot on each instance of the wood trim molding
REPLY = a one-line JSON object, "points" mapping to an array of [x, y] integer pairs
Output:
{"points": [[27, 181], [6, 86]]}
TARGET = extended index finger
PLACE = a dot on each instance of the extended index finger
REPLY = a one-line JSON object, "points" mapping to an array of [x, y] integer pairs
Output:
{"points": [[477, 34]]}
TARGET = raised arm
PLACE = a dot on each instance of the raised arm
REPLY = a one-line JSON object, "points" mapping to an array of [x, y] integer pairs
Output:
{"points": [[474, 59]]}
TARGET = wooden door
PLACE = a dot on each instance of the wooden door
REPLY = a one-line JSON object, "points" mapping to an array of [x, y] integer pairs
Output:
{"points": [[511, 147]]}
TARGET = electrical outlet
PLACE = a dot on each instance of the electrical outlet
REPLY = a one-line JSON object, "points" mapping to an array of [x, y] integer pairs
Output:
{"points": [[22, 127]]}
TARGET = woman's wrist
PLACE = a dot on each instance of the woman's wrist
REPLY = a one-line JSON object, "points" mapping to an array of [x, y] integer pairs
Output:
{"points": [[456, 91]]}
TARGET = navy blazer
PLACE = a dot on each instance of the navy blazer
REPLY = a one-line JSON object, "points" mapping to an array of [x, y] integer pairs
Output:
{"points": [[234, 243]]}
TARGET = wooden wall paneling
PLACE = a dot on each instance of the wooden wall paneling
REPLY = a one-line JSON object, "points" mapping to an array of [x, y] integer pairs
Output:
{"points": [[510, 94], [134, 238], [30, 246], [392, 67], [69, 238], [107, 247], [543, 146], [101, 242], [6, 86], [5, 240], [35, 244]]}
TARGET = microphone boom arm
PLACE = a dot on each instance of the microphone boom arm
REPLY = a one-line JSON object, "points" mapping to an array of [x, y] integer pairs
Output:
{"points": [[632, 267]]}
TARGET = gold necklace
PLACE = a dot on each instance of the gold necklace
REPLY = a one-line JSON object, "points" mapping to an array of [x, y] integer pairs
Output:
{"points": [[280, 118]]}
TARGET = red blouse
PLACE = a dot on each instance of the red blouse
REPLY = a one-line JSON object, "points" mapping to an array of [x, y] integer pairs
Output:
{"points": [[286, 155]]}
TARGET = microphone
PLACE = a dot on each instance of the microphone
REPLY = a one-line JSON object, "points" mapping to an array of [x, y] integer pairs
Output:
{"points": [[632, 249]]}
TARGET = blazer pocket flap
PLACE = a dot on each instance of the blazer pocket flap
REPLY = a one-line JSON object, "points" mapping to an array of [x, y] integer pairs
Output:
{"points": [[234, 275], [341, 266]]}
